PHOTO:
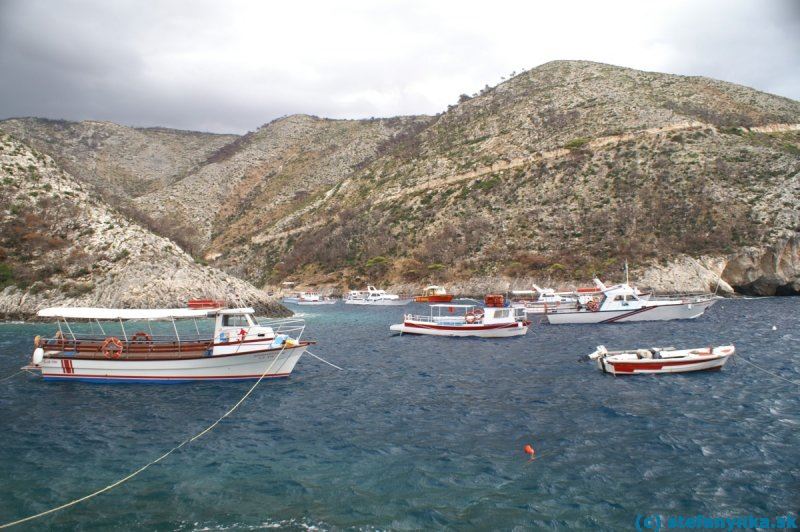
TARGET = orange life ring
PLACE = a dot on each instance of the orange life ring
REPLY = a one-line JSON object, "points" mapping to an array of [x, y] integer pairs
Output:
{"points": [[112, 347], [141, 336]]}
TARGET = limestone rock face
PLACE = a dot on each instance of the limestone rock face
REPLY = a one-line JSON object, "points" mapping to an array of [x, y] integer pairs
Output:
{"points": [[686, 274], [766, 271], [62, 246]]}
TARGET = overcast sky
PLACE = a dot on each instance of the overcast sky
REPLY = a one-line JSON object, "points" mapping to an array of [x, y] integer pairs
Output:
{"points": [[232, 66]]}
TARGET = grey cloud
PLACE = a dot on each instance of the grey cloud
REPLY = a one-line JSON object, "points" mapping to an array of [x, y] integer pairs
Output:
{"points": [[173, 63]]}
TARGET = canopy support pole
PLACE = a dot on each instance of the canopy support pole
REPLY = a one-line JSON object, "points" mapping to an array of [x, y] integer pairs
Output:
{"points": [[124, 334], [177, 336], [69, 329], [102, 331]]}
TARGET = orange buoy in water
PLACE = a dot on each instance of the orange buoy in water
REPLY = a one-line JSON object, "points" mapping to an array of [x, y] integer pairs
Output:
{"points": [[529, 450]]}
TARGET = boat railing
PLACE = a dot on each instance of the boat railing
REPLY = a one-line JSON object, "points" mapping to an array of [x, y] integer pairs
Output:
{"points": [[438, 320], [132, 338], [291, 326]]}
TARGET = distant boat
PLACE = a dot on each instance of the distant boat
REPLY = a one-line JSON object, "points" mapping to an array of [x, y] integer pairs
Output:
{"points": [[434, 294], [621, 303], [661, 359], [308, 298], [237, 348], [493, 320], [373, 296]]}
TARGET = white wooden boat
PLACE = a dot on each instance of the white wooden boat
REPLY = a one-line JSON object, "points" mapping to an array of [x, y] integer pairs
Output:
{"points": [[309, 298], [661, 359], [237, 348], [621, 303], [373, 296], [494, 320]]}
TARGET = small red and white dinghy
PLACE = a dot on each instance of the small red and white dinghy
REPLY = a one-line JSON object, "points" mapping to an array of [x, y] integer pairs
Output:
{"points": [[661, 359], [494, 320]]}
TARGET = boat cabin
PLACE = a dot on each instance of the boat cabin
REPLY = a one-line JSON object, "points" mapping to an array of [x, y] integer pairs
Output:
{"points": [[434, 290], [85, 332]]}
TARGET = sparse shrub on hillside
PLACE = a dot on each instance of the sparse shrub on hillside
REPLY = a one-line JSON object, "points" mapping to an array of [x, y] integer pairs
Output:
{"points": [[6, 275], [576, 144], [72, 289], [170, 226]]}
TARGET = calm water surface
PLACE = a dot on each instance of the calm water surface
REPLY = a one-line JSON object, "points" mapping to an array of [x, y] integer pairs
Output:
{"points": [[421, 432]]}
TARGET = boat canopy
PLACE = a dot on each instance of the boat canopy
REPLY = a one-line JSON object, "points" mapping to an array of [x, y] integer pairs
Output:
{"points": [[450, 305], [91, 313]]}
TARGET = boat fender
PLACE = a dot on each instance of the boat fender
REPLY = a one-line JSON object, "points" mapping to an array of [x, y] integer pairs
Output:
{"points": [[38, 355], [279, 340]]}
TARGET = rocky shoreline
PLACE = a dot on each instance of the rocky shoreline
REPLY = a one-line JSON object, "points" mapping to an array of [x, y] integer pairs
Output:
{"points": [[772, 270]]}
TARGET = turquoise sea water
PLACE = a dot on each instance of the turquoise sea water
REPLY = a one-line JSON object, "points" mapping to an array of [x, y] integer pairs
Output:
{"points": [[421, 432]]}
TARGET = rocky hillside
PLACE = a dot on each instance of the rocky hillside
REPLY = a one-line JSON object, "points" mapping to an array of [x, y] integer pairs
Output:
{"points": [[62, 245], [557, 174], [561, 172], [248, 185], [118, 161]]}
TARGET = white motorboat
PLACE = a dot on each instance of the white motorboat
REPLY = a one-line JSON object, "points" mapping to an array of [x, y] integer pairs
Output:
{"points": [[621, 303], [494, 320], [373, 296], [661, 359], [547, 299], [308, 298], [98, 347]]}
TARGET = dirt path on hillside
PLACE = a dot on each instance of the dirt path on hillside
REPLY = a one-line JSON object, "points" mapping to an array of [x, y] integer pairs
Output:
{"points": [[600, 142]]}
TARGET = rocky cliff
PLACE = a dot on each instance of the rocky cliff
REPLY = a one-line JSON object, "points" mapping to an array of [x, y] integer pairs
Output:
{"points": [[559, 173], [62, 245]]}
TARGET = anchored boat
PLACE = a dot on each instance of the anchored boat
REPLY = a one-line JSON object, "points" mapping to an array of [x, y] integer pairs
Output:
{"points": [[373, 296], [661, 359], [236, 348], [434, 294], [309, 298], [494, 320], [622, 303]]}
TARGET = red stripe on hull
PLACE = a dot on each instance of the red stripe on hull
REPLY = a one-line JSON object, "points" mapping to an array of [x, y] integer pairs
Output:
{"points": [[630, 367], [465, 327]]}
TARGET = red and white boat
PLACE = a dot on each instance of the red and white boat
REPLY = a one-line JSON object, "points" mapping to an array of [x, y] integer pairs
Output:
{"points": [[96, 345], [493, 320], [661, 359], [622, 303], [434, 294]]}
